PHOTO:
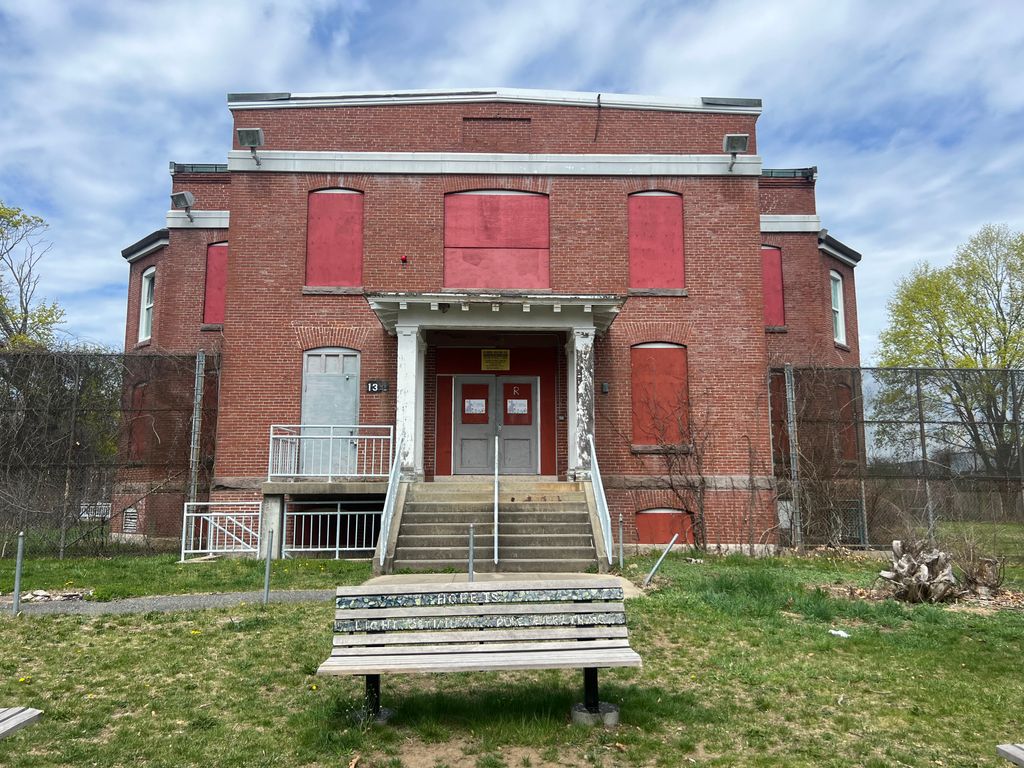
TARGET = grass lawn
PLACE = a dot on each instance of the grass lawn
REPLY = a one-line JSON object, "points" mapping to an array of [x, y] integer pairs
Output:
{"points": [[1004, 539], [739, 669], [134, 576]]}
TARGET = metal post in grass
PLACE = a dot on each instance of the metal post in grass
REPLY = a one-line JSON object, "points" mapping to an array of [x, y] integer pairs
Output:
{"points": [[469, 571], [657, 565], [796, 524], [925, 466], [17, 573], [620, 542], [266, 570]]}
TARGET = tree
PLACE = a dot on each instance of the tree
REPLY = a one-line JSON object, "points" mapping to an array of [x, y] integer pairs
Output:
{"points": [[951, 321], [24, 321]]}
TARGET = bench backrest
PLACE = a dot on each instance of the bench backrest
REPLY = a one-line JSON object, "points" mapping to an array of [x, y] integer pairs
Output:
{"points": [[439, 618]]}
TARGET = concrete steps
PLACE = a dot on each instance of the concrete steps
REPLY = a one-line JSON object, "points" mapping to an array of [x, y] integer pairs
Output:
{"points": [[543, 526]]}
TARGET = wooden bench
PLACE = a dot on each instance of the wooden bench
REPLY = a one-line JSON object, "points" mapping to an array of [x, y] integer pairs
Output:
{"points": [[1012, 752], [15, 718], [480, 627]]}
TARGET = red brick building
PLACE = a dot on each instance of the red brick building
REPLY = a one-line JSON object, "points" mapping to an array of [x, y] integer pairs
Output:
{"points": [[546, 267]]}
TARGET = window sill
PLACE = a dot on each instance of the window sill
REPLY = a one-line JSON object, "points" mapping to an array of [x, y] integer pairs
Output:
{"points": [[660, 450], [844, 347], [658, 292], [211, 327], [143, 343], [332, 290], [776, 329]]}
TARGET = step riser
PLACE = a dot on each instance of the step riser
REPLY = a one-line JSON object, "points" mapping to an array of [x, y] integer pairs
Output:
{"points": [[485, 507], [503, 518], [504, 541], [484, 529], [461, 554], [504, 566]]}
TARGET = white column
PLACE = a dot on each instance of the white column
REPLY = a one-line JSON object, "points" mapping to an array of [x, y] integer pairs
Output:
{"points": [[409, 399], [580, 364]]}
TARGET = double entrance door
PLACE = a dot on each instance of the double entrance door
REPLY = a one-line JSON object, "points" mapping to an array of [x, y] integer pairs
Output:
{"points": [[496, 406]]}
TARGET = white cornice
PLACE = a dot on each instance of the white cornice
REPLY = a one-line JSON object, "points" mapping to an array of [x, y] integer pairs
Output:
{"points": [[203, 220], [842, 257], [492, 95], [790, 223], [500, 164], [156, 245]]}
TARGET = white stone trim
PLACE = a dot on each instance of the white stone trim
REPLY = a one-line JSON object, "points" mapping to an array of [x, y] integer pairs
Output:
{"points": [[799, 222], [203, 220], [826, 249], [501, 95], [493, 163], [154, 246]]}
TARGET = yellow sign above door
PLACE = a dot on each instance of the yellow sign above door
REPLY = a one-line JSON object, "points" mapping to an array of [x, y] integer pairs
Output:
{"points": [[494, 360]]}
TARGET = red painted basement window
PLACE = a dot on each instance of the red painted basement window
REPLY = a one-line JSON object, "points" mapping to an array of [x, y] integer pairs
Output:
{"points": [[771, 281], [496, 239], [216, 283], [659, 392], [334, 238], [656, 241]]}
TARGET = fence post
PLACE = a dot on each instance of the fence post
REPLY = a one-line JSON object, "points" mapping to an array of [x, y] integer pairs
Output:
{"points": [[925, 467], [17, 573], [68, 464], [1014, 395], [197, 425], [620, 541], [794, 458]]}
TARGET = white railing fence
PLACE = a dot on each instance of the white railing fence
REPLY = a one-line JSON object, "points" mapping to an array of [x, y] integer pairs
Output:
{"points": [[602, 502], [317, 527], [329, 451], [394, 478], [220, 527]]}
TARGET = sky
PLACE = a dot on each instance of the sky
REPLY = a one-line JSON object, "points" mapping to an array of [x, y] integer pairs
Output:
{"points": [[912, 111]]}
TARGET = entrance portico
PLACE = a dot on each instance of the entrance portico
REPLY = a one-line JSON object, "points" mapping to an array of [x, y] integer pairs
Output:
{"points": [[492, 317]]}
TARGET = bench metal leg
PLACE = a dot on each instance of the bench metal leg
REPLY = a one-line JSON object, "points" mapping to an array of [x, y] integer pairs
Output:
{"points": [[591, 700], [373, 696]]}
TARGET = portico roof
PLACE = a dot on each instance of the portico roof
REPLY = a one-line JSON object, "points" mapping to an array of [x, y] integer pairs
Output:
{"points": [[497, 310]]}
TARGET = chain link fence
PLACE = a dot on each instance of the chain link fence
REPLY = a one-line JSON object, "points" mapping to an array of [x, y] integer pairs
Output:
{"points": [[98, 451], [863, 456]]}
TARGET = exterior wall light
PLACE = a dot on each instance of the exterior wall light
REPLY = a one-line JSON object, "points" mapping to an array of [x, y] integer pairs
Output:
{"points": [[733, 144], [251, 138], [183, 201]]}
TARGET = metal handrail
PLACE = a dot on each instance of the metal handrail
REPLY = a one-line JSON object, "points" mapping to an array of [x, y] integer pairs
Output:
{"points": [[603, 515], [389, 501], [495, 499], [309, 450]]}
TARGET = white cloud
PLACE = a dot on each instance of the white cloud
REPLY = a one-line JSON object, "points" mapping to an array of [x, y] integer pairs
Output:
{"points": [[910, 110]]}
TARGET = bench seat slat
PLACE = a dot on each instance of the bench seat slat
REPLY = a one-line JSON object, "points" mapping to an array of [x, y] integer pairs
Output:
{"points": [[494, 596], [502, 609], [488, 621], [483, 662], [1012, 752], [483, 635], [554, 645], [15, 718], [480, 586]]}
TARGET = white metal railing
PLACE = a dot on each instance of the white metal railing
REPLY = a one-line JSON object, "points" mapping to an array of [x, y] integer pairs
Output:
{"points": [[495, 499], [316, 527], [386, 516], [602, 502], [329, 451], [220, 527]]}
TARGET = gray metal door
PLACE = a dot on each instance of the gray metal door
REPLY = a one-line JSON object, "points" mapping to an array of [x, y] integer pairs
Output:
{"points": [[518, 425], [330, 413], [474, 425]]}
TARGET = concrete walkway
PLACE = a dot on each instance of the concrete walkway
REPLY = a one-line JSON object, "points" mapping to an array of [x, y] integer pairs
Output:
{"points": [[173, 603]]}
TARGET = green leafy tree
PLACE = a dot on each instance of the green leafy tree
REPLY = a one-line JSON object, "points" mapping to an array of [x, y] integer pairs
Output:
{"points": [[952, 321], [25, 322]]}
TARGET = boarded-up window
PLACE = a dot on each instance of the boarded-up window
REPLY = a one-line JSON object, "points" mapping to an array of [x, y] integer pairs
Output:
{"points": [[771, 281], [656, 240], [846, 416], [496, 239], [334, 238], [216, 283], [658, 526], [659, 390], [140, 424]]}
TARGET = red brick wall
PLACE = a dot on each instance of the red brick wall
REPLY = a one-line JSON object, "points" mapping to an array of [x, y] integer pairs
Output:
{"points": [[212, 190], [786, 196]]}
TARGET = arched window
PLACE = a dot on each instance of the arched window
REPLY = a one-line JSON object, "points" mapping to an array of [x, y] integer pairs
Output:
{"points": [[147, 296], [659, 391], [216, 283], [838, 311], [496, 238], [656, 241], [334, 238]]}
